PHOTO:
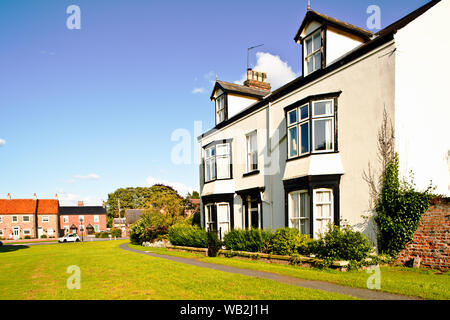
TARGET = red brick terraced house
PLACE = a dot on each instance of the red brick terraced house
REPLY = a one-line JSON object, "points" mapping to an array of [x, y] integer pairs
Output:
{"points": [[83, 220], [33, 218]]}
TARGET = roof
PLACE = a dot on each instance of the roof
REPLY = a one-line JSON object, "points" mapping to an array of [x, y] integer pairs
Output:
{"points": [[383, 36], [29, 206], [228, 87], [312, 15], [133, 215], [97, 210]]}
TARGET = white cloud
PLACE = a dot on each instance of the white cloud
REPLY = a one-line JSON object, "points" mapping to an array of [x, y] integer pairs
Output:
{"points": [[2, 142], [71, 199], [198, 90], [182, 189], [278, 71], [92, 176]]}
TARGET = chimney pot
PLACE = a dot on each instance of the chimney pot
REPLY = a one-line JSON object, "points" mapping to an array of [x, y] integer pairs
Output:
{"points": [[34, 196], [80, 203], [56, 196], [104, 204], [8, 196], [257, 80]]}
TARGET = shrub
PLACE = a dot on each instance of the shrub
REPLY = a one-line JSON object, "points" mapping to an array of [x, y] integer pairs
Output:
{"points": [[342, 243], [288, 241], [189, 236], [43, 236], [214, 244], [116, 232], [254, 240], [151, 227], [27, 237]]}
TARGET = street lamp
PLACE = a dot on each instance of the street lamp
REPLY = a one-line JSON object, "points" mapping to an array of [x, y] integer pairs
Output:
{"points": [[82, 229]]}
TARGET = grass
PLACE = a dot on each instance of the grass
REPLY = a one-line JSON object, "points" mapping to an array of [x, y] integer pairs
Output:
{"points": [[108, 272], [426, 284]]}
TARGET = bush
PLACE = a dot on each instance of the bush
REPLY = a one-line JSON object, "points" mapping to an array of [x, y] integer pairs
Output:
{"points": [[214, 244], [342, 243], [116, 232], [254, 240], [43, 236], [151, 227], [27, 237], [188, 236], [288, 241]]}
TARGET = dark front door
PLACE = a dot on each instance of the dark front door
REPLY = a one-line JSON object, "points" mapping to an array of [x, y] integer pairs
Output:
{"points": [[253, 214]]}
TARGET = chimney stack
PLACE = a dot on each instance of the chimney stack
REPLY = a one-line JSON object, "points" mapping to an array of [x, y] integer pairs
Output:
{"points": [[8, 196], [56, 196], [257, 80], [34, 196], [80, 203], [104, 204]]}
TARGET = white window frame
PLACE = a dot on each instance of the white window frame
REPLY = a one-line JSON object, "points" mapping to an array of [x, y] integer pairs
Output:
{"points": [[45, 218], [210, 164], [96, 228], [81, 219], [291, 210], [316, 118], [15, 219], [211, 170], [298, 125], [65, 219], [227, 156], [208, 213], [1, 232], [26, 232], [26, 216], [1, 219], [219, 222], [313, 53], [316, 203], [250, 153], [96, 218], [220, 109]]}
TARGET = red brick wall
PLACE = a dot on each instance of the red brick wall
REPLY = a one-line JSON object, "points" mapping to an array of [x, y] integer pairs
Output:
{"points": [[88, 219], [431, 241]]}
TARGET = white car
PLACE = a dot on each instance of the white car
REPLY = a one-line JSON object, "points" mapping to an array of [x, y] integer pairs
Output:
{"points": [[73, 237]]}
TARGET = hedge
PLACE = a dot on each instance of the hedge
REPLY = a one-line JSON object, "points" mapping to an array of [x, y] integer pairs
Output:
{"points": [[188, 236]]}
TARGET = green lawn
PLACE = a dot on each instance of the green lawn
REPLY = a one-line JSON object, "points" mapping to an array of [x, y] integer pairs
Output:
{"points": [[426, 284], [108, 272]]}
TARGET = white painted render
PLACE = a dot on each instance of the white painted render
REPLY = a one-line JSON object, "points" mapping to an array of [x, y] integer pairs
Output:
{"points": [[237, 104], [422, 105], [338, 45]]}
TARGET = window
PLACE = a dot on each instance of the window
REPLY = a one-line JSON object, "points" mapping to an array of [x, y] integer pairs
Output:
{"points": [[81, 228], [299, 216], [218, 162], [323, 210], [65, 219], [1, 219], [25, 218], [81, 218], [50, 232], [26, 232], [1, 232], [220, 109], [96, 218], [298, 131], [323, 126], [252, 152], [15, 219], [313, 52], [211, 217], [45, 218], [96, 228], [223, 217]]}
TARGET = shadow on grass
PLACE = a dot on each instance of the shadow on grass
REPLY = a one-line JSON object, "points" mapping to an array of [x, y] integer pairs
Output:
{"points": [[11, 248]]}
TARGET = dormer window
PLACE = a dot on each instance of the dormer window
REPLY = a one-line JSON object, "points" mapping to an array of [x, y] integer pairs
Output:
{"points": [[221, 115], [313, 52]]}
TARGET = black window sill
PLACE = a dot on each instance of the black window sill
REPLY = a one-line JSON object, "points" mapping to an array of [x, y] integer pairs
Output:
{"points": [[217, 180], [311, 154], [253, 173]]}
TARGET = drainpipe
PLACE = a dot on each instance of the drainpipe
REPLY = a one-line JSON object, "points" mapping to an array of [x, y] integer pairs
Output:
{"points": [[36, 220]]}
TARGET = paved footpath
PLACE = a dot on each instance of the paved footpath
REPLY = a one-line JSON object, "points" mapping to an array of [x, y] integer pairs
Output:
{"points": [[365, 294]]}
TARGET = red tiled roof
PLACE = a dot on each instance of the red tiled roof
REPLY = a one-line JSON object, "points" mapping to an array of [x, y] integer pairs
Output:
{"points": [[28, 206]]}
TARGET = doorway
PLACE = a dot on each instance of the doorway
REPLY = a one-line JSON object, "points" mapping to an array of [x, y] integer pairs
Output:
{"points": [[16, 233]]}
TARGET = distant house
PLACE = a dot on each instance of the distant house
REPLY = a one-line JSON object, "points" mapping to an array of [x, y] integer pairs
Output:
{"points": [[192, 207], [83, 220], [132, 215], [20, 218]]}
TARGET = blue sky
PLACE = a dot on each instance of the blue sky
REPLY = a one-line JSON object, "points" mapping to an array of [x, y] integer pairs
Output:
{"points": [[84, 112]]}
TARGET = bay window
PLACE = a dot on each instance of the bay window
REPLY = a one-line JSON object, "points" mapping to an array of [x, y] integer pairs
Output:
{"points": [[311, 126], [218, 162]]}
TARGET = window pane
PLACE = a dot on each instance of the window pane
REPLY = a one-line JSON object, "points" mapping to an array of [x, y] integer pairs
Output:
{"points": [[317, 39], [222, 149], [223, 167], [310, 65], [304, 131], [309, 44], [304, 112], [295, 205], [293, 140], [292, 117], [317, 61], [253, 142], [254, 161], [304, 205], [323, 108], [323, 135]]}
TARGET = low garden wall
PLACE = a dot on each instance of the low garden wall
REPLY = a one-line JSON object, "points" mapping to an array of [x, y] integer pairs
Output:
{"points": [[430, 244]]}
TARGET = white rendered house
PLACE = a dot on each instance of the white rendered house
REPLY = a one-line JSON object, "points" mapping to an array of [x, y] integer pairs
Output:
{"points": [[295, 157]]}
